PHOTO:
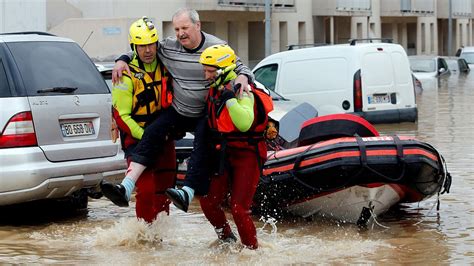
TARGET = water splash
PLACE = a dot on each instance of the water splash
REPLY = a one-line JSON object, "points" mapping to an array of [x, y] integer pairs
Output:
{"points": [[133, 232], [270, 221]]}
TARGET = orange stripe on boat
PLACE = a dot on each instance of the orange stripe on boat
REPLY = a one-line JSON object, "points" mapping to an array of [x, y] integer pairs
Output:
{"points": [[284, 153], [346, 154]]}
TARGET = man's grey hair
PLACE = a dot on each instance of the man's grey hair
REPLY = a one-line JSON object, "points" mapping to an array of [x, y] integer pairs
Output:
{"points": [[192, 14]]}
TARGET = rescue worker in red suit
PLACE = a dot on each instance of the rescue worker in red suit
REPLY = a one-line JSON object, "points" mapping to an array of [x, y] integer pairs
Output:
{"points": [[237, 127], [137, 101]]}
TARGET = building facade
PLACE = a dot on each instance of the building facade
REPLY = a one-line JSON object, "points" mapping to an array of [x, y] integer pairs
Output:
{"points": [[101, 27], [420, 26]]}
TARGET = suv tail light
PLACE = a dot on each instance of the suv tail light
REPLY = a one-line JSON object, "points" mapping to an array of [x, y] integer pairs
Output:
{"points": [[357, 92], [19, 132]]}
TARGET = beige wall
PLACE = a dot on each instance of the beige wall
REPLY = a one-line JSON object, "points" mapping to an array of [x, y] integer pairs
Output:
{"points": [[107, 37], [59, 10], [22, 15], [161, 9]]}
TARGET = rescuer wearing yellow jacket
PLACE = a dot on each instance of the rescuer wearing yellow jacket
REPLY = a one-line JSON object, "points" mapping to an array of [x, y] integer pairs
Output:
{"points": [[137, 101]]}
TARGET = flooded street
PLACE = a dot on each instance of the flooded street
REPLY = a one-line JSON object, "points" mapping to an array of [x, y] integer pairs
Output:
{"points": [[409, 234]]}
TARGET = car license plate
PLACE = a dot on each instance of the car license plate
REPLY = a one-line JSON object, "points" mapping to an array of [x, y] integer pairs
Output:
{"points": [[379, 98], [77, 129]]}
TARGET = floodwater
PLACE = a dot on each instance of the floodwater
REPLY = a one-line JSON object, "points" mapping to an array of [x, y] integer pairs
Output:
{"points": [[408, 234]]}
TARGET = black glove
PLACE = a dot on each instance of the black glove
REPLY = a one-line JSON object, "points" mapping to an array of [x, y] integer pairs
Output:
{"points": [[237, 88], [226, 95]]}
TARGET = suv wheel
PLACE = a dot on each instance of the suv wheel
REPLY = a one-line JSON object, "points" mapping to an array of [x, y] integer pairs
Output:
{"points": [[78, 200]]}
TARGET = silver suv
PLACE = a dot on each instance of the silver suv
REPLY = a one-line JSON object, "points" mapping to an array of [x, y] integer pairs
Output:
{"points": [[54, 122]]}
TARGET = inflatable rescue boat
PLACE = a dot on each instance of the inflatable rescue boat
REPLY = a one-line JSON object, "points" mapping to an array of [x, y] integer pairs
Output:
{"points": [[342, 168]]}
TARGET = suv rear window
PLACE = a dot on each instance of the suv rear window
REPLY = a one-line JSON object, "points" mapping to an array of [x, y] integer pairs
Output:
{"points": [[56, 64], [4, 88]]}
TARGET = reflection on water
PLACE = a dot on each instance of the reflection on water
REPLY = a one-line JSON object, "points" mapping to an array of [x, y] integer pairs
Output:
{"points": [[416, 233]]}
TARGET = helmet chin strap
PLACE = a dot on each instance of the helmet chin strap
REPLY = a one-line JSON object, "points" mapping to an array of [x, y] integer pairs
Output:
{"points": [[221, 75]]}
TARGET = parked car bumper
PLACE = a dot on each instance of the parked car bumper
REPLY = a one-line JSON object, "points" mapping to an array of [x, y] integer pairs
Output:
{"points": [[26, 174], [390, 116]]}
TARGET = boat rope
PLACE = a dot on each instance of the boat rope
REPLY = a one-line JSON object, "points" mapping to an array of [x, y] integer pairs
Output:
{"points": [[297, 165], [447, 176], [363, 163], [437, 202], [400, 158], [443, 170], [430, 211], [374, 216]]}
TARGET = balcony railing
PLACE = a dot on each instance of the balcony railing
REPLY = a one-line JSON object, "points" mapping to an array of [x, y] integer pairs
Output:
{"points": [[353, 5], [417, 6], [258, 3]]}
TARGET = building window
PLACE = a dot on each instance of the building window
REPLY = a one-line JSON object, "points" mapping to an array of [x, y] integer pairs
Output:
{"points": [[283, 35], [302, 33]]}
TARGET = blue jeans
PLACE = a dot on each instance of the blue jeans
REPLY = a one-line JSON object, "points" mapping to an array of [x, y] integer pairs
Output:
{"points": [[166, 126]]}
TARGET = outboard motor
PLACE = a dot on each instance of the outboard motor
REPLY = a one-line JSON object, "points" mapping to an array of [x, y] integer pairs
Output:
{"points": [[290, 124]]}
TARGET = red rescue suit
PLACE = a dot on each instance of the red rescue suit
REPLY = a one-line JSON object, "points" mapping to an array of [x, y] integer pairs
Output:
{"points": [[244, 154], [153, 182]]}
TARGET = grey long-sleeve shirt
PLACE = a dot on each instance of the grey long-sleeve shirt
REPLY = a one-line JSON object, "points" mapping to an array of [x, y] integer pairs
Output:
{"points": [[189, 85]]}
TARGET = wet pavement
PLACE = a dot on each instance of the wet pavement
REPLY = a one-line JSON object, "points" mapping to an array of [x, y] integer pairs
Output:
{"points": [[416, 233]]}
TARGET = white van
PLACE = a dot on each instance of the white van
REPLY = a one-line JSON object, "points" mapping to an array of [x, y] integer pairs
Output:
{"points": [[372, 80]]}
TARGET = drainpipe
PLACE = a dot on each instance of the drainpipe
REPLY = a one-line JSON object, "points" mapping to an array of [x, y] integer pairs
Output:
{"points": [[450, 29], [268, 27]]}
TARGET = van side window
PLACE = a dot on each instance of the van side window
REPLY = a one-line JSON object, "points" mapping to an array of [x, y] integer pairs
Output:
{"points": [[267, 76], [4, 87]]}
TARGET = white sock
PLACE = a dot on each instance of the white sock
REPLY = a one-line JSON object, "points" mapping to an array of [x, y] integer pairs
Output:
{"points": [[189, 191], [129, 185]]}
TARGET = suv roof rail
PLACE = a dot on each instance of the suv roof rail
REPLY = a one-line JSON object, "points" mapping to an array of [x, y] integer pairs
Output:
{"points": [[296, 46], [28, 32], [386, 40]]}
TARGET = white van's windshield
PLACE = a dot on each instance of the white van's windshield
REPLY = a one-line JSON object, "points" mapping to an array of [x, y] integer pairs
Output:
{"points": [[267, 76]]}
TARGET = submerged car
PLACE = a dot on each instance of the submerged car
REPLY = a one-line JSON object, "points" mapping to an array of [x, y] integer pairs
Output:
{"points": [[428, 66], [55, 122], [457, 65], [467, 53], [106, 70]]}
